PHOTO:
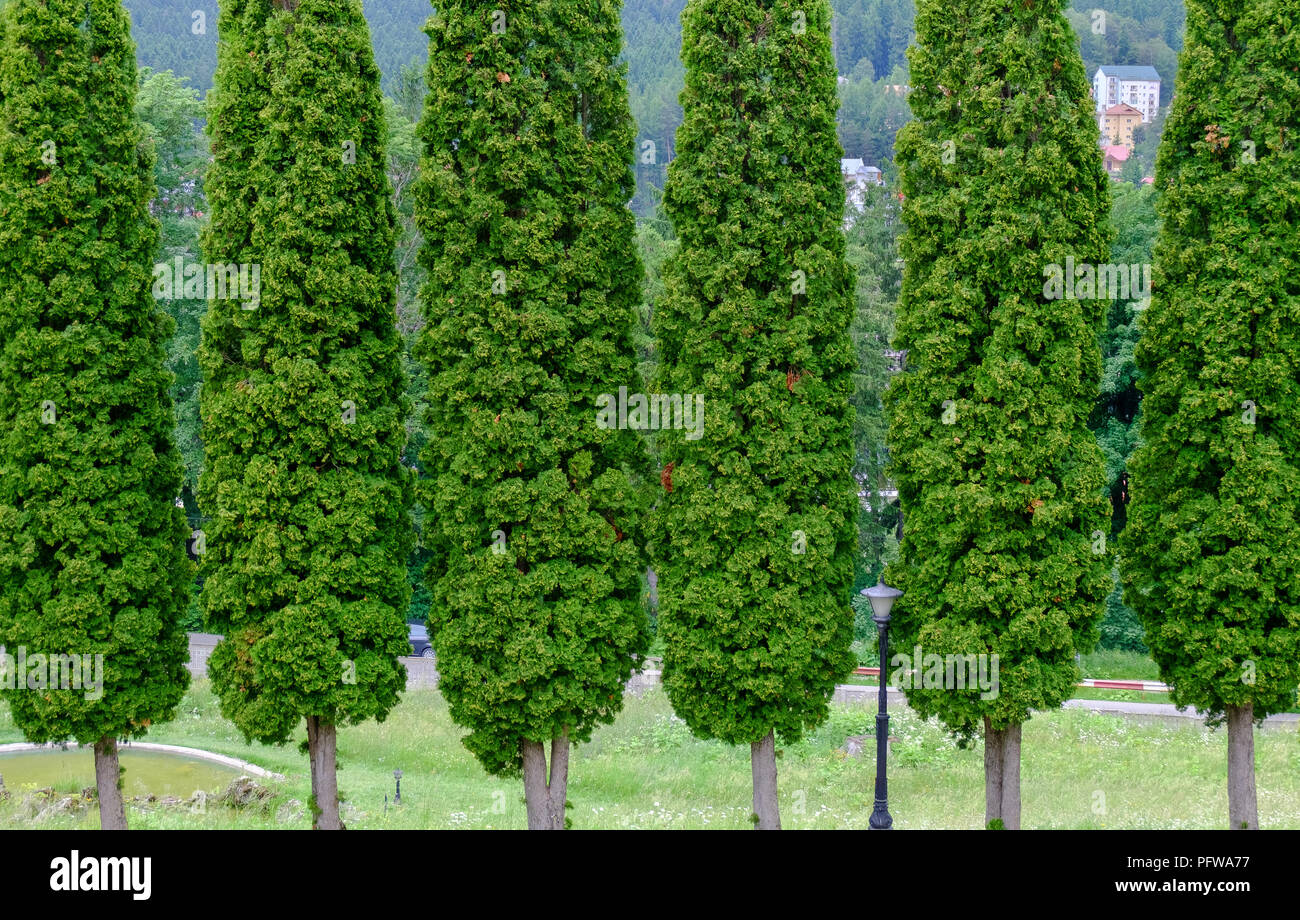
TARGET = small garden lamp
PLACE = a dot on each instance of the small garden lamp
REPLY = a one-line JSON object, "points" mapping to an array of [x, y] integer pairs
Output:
{"points": [[397, 798], [882, 598]]}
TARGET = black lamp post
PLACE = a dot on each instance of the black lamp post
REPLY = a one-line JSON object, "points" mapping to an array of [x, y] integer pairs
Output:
{"points": [[882, 598], [397, 799]]}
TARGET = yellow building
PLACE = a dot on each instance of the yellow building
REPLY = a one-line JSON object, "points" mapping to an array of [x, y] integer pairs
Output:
{"points": [[1117, 124]]}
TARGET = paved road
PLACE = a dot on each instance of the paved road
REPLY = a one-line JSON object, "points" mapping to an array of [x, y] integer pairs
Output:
{"points": [[420, 672], [1165, 711]]}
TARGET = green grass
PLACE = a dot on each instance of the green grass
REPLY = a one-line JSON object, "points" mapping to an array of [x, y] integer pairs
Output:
{"points": [[1079, 771], [1109, 664], [1127, 696]]}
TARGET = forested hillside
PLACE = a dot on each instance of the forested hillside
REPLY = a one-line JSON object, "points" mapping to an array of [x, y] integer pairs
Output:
{"points": [[181, 36], [176, 35], [652, 35]]}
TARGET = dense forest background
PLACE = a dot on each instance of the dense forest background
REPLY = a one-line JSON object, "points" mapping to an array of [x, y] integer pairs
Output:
{"points": [[176, 45]]}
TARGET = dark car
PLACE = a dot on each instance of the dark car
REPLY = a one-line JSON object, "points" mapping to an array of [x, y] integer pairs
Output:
{"points": [[419, 637]]}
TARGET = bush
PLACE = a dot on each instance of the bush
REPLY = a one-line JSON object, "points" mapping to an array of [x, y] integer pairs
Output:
{"points": [[1121, 628]]}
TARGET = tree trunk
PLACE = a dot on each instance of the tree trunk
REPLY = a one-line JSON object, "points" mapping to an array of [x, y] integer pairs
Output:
{"points": [[558, 787], [112, 809], [544, 798], [1011, 777], [321, 749], [1002, 775], [992, 773], [762, 760], [1243, 810], [537, 797]]}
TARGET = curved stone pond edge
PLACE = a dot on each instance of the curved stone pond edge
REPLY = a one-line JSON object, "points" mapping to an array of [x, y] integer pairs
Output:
{"points": [[235, 763]]}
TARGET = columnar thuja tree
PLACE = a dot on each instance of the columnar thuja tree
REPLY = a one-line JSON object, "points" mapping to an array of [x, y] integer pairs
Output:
{"points": [[1000, 480], [755, 528], [1212, 549], [534, 502], [92, 546], [302, 400]]}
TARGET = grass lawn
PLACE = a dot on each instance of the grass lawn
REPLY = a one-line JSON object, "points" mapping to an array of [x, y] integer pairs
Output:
{"points": [[646, 771], [1113, 664], [1128, 696]]}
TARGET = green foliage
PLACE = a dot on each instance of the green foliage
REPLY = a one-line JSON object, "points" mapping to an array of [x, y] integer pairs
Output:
{"points": [[873, 32], [872, 252], [403, 147], [755, 537], [871, 113], [1115, 418], [169, 110], [92, 558], [1121, 628], [302, 400], [654, 251], [1131, 172], [870, 38], [1212, 545], [1000, 480], [1146, 141], [534, 511]]}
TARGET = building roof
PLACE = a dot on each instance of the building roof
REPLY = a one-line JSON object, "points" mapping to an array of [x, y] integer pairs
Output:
{"points": [[1123, 109], [852, 166], [1128, 72], [1117, 152]]}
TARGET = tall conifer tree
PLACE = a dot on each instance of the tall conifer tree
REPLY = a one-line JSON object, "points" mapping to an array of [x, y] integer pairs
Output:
{"points": [[533, 280], [303, 402], [92, 546], [755, 529], [1212, 549], [1000, 480]]}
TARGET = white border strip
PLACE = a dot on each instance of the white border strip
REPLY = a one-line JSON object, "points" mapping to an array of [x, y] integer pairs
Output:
{"points": [[197, 753]]}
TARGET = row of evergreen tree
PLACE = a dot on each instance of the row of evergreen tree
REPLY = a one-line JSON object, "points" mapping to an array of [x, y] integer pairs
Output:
{"points": [[540, 521], [539, 525], [1004, 549]]}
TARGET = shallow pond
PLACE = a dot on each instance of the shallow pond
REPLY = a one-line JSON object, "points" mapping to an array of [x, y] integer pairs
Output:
{"points": [[146, 772]]}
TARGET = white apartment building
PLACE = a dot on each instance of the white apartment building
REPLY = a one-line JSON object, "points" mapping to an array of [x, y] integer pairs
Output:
{"points": [[1135, 86]]}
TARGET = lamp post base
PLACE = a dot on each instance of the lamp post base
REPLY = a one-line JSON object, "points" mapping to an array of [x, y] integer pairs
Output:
{"points": [[880, 819]]}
